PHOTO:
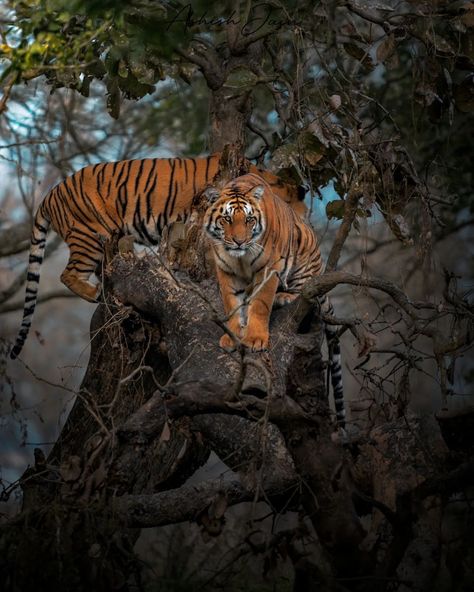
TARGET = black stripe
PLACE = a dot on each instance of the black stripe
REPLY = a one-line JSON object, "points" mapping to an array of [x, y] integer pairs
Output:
{"points": [[57, 208], [170, 187], [35, 259], [224, 262], [98, 185], [170, 203], [80, 255], [255, 271], [185, 171], [83, 266], [98, 216], [121, 202], [41, 228], [79, 214], [149, 209], [256, 257], [140, 227], [82, 247], [138, 174], [194, 176], [154, 169], [103, 171], [91, 236], [32, 277]]}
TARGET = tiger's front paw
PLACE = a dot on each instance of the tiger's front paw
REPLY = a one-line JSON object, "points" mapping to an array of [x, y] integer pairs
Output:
{"points": [[283, 298], [256, 341], [227, 343]]}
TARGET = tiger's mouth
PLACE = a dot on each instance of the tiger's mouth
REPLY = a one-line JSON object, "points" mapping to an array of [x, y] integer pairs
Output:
{"points": [[236, 251]]}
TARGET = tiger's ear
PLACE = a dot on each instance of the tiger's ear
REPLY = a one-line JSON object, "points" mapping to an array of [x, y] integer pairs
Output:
{"points": [[258, 191], [211, 194]]}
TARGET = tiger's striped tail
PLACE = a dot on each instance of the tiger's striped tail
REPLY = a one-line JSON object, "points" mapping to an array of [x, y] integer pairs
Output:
{"points": [[335, 368], [38, 243]]}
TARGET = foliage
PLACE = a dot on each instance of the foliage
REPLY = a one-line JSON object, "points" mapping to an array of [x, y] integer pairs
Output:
{"points": [[380, 102]]}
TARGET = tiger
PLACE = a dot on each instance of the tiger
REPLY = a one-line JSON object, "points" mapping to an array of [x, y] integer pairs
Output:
{"points": [[139, 197], [264, 253]]}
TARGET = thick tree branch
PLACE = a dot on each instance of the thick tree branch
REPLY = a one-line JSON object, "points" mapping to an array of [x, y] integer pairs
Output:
{"points": [[178, 505], [202, 397]]}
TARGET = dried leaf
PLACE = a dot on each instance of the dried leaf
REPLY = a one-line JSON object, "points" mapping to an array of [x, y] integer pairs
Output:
{"points": [[386, 48], [182, 450], [71, 469], [363, 213], [218, 506], [316, 131], [99, 475], [39, 337], [359, 54], [285, 156], [367, 341], [399, 227], [312, 158], [166, 433], [468, 18], [439, 43], [335, 102]]}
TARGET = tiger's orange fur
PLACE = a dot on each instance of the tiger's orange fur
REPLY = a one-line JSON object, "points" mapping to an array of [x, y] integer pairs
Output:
{"points": [[264, 253]]}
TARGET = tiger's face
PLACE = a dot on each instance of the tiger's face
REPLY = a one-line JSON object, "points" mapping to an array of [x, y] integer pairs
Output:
{"points": [[235, 220]]}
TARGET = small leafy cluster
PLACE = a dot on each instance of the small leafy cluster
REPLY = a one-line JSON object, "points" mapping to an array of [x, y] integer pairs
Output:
{"points": [[73, 46]]}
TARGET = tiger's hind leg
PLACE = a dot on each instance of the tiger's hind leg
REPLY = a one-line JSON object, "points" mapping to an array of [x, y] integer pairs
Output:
{"points": [[85, 253]]}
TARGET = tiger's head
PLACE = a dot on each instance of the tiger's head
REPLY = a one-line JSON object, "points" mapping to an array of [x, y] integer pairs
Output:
{"points": [[235, 218]]}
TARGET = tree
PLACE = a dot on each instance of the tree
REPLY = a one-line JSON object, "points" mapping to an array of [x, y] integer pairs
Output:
{"points": [[320, 92]]}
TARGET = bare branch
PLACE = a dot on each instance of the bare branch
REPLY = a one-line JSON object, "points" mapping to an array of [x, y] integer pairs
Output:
{"points": [[41, 299], [12, 78], [15, 239], [350, 210]]}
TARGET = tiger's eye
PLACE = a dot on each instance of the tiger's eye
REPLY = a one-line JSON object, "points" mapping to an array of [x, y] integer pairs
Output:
{"points": [[228, 219], [250, 219]]}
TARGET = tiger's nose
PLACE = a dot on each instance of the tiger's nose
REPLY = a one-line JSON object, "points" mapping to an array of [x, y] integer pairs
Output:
{"points": [[239, 241]]}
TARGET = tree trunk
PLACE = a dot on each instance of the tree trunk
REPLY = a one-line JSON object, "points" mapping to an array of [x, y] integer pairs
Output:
{"points": [[229, 114]]}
